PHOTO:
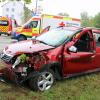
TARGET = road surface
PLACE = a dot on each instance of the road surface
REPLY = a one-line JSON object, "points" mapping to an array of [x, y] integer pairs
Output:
{"points": [[4, 41]]}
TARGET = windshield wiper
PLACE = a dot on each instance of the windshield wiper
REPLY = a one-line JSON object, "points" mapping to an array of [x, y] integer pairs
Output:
{"points": [[45, 43]]}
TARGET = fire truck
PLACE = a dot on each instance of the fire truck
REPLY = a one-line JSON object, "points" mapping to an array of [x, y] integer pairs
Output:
{"points": [[7, 25], [43, 23]]}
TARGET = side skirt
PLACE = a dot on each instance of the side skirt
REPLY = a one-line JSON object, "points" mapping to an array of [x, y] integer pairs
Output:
{"points": [[82, 73]]}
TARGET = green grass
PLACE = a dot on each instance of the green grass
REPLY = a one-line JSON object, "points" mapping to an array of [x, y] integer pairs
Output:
{"points": [[81, 88]]}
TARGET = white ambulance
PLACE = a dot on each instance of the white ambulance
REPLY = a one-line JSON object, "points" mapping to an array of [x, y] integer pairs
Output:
{"points": [[39, 24]]}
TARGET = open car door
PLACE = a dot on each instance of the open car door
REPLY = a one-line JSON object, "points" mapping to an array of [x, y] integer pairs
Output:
{"points": [[80, 56]]}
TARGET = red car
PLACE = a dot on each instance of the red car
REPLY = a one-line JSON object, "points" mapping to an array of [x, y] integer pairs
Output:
{"points": [[59, 53]]}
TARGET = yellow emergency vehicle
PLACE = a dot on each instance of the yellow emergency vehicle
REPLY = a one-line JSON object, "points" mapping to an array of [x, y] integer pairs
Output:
{"points": [[42, 23], [7, 25]]}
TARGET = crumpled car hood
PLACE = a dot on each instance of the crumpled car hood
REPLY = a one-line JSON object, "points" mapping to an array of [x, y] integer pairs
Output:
{"points": [[25, 47]]}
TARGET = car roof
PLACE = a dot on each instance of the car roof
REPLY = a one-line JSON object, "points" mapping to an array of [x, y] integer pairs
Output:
{"points": [[96, 31]]}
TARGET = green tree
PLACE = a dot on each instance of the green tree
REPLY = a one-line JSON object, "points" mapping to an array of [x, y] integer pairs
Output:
{"points": [[26, 1], [27, 14], [96, 20], [84, 19], [91, 21]]}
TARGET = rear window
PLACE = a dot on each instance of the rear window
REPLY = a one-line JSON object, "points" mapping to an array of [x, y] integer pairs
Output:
{"points": [[4, 23]]}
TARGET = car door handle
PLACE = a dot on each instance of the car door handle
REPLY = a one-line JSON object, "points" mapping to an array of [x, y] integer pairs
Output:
{"points": [[72, 56]]}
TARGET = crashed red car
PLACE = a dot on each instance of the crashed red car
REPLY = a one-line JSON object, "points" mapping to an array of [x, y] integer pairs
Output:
{"points": [[59, 53]]}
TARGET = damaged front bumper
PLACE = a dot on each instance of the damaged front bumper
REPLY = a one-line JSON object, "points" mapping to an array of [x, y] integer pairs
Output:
{"points": [[11, 73], [6, 73], [16, 72]]}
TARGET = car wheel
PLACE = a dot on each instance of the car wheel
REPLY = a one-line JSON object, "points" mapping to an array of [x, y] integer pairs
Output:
{"points": [[43, 81], [21, 38]]}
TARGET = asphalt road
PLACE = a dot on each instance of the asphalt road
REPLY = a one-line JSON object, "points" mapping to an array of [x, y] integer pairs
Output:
{"points": [[4, 41]]}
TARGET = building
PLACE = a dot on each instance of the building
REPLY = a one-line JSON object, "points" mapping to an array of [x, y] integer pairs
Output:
{"points": [[15, 10]]}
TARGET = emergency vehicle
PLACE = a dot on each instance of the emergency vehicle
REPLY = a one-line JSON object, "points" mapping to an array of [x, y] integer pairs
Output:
{"points": [[40, 24], [7, 25]]}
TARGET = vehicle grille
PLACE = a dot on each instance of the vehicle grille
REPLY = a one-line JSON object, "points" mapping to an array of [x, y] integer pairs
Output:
{"points": [[5, 57]]}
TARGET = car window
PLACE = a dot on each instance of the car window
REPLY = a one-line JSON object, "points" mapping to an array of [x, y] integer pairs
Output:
{"points": [[83, 43], [33, 24], [4, 23], [55, 37]]}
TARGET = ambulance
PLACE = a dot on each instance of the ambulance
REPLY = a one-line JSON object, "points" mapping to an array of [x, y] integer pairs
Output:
{"points": [[7, 25], [40, 24]]}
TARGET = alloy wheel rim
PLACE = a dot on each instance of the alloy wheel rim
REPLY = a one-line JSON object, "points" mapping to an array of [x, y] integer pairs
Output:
{"points": [[45, 81]]}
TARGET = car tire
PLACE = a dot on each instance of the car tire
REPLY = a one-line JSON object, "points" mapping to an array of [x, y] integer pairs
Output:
{"points": [[42, 81], [21, 38]]}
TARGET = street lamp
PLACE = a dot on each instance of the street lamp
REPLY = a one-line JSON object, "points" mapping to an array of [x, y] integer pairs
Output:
{"points": [[36, 5]]}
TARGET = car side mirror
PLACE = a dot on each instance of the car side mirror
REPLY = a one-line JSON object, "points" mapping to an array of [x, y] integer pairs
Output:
{"points": [[72, 49]]}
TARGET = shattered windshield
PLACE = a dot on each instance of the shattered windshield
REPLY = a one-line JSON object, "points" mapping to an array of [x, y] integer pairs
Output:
{"points": [[55, 37]]}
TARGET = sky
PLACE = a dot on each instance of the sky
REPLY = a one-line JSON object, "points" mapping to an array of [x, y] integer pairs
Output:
{"points": [[72, 7]]}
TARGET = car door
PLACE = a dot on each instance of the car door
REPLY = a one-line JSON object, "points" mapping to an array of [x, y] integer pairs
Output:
{"points": [[32, 28], [80, 61], [35, 27], [97, 57], [27, 30]]}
